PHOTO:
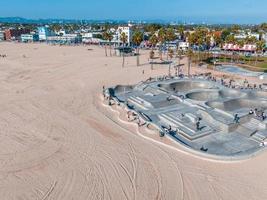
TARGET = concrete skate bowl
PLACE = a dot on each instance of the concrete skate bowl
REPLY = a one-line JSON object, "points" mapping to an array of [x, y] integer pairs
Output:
{"points": [[214, 95], [238, 104], [183, 86], [258, 94], [122, 89]]}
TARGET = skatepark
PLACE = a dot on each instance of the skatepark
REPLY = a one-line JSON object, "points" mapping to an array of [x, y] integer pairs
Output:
{"points": [[202, 114]]}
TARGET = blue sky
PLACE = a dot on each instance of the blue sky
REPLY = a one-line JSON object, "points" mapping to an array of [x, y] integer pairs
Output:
{"points": [[214, 11]]}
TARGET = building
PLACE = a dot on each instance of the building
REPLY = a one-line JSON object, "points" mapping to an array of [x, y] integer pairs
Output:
{"points": [[183, 46], [65, 39], [2, 35], [235, 47], [264, 37], [44, 33], [14, 34], [92, 37], [29, 37], [124, 29], [244, 35]]}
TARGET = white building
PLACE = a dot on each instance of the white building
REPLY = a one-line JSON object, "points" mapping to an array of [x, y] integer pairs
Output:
{"points": [[2, 35], [29, 37], [65, 39], [183, 45], [244, 35], [124, 29], [44, 33], [264, 37], [92, 37], [60, 32]]}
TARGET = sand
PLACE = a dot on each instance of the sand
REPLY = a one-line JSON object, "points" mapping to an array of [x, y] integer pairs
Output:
{"points": [[56, 144]]}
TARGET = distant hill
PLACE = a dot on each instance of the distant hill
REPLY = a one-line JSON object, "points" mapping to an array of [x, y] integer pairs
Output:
{"points": [[20, 20]]}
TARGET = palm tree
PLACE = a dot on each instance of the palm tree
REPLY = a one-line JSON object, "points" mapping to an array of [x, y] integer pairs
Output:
{"points": [[192, 40], [106, 37], [110, 38], [203, 39], [170, 53], [181, 32], [260, 46], [137, 40], [241, 44], [162, 40], [170, 36], [217, 40], [190, 54], [235, 28], [123, 39], [251, 40], [153, 41], [263, 27], [230, 39], [179, 54], [55, 27]]}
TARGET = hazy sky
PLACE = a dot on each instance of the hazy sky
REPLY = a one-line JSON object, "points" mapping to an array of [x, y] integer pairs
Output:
{"points": [[222, 11]]}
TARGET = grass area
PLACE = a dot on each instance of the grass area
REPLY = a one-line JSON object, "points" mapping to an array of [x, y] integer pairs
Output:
{"points": [[251, 63]]}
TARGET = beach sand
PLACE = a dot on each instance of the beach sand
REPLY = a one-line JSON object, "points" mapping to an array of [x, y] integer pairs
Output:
{"points": [[55, 144]]}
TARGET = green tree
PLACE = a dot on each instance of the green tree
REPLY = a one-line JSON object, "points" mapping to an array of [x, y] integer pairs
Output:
{"points": [[217, 40], [190, 54], [180, 30], [169, 36], [153, 40], [263, 27], [235, 28], [230, 39], [123, 39], [137, 40], [240, 44], [225, 34], [108, 36], [162, 40], [170, 54], [250, 40], [152, 27], [200, 37], [55, 27], [179, 54], [260, 46]]}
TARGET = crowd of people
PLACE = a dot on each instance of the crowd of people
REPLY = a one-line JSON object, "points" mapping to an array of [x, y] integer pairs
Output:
{"points": [[258, 113], [3, 55]]}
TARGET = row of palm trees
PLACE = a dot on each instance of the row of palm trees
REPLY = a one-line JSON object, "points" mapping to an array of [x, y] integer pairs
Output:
{"points": [[162, 36], [260, 44], [137, 39], [202, 38], [108, 36], [198, 40]]}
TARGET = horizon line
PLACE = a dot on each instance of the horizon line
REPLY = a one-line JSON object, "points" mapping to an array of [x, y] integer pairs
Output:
{"points": [[155, 20]]}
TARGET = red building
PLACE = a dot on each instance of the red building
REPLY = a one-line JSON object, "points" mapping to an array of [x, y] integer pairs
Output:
{"points": [[12, 34]]}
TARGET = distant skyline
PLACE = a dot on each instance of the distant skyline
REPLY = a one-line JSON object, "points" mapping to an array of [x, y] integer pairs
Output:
{"points": [[198, 11]]}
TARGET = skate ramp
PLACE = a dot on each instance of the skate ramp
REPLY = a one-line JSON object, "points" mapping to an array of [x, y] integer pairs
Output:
{"points": [[236, 104], [214, 95], [183, 86]]}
